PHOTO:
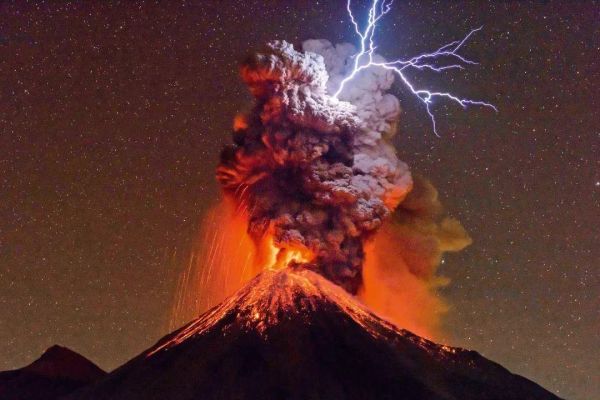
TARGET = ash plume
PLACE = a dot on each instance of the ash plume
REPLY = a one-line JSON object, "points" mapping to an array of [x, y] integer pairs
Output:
{"points": [[316, 175], [400, 279]]}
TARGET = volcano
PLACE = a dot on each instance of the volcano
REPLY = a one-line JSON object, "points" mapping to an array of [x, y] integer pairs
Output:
{"points": [[291, 334], [57, 372]]}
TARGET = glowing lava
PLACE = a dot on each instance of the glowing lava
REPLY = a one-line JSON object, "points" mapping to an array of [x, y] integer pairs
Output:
{"points": [[281, 257], [225, 258]]}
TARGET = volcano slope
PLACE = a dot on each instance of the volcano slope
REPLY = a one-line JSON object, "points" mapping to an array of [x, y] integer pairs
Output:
{"points": [[57, 372], [292, 334]]}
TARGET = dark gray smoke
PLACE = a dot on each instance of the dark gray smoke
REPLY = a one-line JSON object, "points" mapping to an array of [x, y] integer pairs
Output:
{"points": [[315, 172]]}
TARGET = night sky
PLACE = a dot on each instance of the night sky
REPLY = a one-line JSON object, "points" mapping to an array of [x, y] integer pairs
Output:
{"points": [[112, 118]]}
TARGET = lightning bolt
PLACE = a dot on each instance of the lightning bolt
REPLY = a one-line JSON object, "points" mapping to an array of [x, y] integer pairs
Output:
{"points": [[426, 61]]}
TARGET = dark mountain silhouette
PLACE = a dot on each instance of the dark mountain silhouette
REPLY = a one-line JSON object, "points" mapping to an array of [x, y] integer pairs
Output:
{"points": [[294, 335], [57, 372]]}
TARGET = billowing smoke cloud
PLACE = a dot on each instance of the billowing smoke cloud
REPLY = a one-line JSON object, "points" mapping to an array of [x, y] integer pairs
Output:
{"points": [[424, 232], [378, 110], [400, 275], [400, 279], [316, 175], [310, 179]]}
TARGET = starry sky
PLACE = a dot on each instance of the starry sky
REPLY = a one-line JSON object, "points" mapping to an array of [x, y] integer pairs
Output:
{"points": [[112, 116]]}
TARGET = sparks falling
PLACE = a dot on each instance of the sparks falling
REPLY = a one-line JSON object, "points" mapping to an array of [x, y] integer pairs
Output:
{"points": [[426, 61]]}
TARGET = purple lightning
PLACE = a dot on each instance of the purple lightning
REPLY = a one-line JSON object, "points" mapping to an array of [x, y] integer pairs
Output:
{"points": [[364, 59]]}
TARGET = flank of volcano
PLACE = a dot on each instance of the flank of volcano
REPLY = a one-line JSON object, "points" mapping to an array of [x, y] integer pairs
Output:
{"points": [[292, 334]]}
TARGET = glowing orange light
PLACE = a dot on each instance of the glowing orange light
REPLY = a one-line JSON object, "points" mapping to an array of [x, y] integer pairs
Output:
{"points": [[240, 122], [281, 257], [394, 293], [225, 259], [222, 261]]}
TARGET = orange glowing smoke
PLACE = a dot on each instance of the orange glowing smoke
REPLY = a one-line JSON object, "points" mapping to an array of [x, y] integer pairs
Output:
{"points": [[397, 295], [278, 258], [400, 280], [240, 123], [224, 259]]}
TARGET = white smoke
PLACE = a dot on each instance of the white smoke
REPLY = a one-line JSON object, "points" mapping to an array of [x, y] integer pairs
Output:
{"points": [[378, 111]]}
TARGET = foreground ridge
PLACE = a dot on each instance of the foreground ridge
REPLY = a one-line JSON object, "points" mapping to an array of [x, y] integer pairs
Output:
{"points": [[58, 372]]}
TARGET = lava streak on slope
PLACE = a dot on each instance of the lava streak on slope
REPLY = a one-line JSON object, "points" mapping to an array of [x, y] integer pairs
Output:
{"points": [[292, 334]]}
